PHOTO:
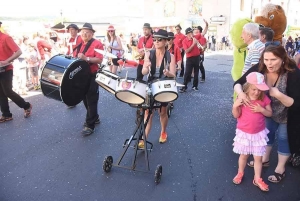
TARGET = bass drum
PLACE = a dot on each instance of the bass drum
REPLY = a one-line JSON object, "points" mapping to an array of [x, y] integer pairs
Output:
{"points": [[65, 79]]}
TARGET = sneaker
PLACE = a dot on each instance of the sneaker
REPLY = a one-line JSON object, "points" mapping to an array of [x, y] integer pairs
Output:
{"points": [[182, 89], [163, 138], [202, 80], [27, 112], [87, 131], [195, 88], [141, 144], [4, 119], [96, 122]]}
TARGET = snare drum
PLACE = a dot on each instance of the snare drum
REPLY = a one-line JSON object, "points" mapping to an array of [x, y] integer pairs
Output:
{"points": [[107, 81], [65, 79], [164, 90], [131, 91]]}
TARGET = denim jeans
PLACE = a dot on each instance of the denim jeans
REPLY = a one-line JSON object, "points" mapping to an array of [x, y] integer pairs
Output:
{"points": [[282, 136]]}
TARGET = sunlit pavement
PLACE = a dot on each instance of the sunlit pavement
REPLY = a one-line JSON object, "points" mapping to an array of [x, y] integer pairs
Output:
{"points": [[45, 157]]}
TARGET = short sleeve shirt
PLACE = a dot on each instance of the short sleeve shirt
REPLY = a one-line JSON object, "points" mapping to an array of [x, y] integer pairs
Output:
{"points": [[255, 50], [253, 122], [147, 42], [7, 48]]}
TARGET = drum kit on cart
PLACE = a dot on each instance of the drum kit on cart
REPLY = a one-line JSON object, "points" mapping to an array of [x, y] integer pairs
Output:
{"points": [[63, 79]]}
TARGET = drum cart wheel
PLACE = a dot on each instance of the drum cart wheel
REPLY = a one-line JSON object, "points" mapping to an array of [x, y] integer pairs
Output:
{"points": [[169, 109], [158, 174], [107, 164]]}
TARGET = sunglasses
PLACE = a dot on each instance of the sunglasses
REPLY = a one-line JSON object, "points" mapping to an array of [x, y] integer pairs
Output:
{"points": [[169, 39], [110, 31], [157, 39]]}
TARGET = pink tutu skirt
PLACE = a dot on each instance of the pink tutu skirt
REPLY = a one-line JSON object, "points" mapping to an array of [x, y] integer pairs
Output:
{"points": [[254, 144]]}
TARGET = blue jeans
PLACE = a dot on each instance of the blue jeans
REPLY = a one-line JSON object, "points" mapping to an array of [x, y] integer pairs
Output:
{"points": [[282, 136]]}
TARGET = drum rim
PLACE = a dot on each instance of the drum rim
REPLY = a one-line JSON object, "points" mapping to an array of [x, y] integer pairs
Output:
{"points": [[162, 79], [134, 79], [173, 92], [109, 74], [144, 98], [107, 87]]}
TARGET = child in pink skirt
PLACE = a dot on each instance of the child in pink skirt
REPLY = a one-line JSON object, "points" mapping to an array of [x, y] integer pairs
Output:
{"points": [[251, 132]]}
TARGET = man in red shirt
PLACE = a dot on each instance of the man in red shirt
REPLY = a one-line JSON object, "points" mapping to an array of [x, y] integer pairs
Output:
{"points": [[192, 59], [75, 39], [174, 49], [179, 37], [9, 51], [199, 35], [145, 43], [86, 51]]}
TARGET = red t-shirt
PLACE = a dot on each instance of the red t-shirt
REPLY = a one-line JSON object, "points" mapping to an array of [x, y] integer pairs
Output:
{"points": [[177, 54], [202, 41], [41, 46], [188, 43], [148, 43], [74, 42], [7, 48], [252, 122], [92, 53], [179, 39]]}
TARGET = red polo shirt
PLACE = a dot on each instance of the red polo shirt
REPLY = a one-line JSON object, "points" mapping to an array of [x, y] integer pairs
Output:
{"points": [[188, 43], [92, 53], [202, 41], [177, 54], [179, 39], [148, 43], [74, 42], [7, 48]]}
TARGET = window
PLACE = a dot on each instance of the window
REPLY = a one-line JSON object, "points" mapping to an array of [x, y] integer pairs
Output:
{"points": [[242, 5]]}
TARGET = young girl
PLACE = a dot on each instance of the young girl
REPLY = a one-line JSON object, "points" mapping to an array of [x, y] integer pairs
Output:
{"points": [[251, 132], [31, 57]]}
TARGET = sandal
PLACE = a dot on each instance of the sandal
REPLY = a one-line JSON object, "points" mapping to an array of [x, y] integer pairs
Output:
{"points": [[264, 164], [4, 119], [238, 178], [261, 185], [28, 111], [278, 177]]}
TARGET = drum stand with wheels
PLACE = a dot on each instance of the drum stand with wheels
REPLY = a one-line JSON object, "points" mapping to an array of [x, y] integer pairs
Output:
{"points": [[138, 134]]}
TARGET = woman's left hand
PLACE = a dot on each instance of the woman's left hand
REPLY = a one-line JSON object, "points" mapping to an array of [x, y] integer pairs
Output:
{"points": [[274, 92]]}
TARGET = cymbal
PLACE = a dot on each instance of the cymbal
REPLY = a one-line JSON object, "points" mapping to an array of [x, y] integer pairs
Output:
{"points": [[105, 53]]}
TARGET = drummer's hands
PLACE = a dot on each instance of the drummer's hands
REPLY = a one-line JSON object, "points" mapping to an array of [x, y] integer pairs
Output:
{"points": [[82, 56], [166, 72]]}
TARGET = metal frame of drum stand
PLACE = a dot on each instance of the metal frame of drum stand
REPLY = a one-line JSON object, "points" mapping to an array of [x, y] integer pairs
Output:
{"points": [[141, 125]]}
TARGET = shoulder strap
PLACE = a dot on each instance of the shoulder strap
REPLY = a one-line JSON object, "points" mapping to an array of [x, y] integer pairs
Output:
{"points": [[88, 45]]}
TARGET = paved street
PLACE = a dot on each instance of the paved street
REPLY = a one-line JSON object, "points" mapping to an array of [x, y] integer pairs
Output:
{"points": [[45, 158]]}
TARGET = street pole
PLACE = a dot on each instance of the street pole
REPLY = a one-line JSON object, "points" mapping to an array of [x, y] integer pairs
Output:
{"points": [[61, 17]]}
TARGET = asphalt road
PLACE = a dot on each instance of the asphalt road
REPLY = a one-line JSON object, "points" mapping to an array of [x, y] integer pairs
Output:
{"points": [[45, 157]]}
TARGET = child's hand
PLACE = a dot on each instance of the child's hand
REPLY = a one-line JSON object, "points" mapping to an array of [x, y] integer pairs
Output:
{"points": [[256, 108], [238, 102]]}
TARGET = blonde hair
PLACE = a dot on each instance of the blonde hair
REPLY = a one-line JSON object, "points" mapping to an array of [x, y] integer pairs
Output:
{"points": [[246, 88]]}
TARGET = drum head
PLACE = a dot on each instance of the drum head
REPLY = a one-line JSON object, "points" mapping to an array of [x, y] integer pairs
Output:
{"points": [[166, 97], [75, 82], [129, 97]]}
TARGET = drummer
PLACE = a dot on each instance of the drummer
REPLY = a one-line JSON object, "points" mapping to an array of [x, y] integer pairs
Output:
{"points": [[145, 43], [75, 39], [157, 70], [86, 52]]}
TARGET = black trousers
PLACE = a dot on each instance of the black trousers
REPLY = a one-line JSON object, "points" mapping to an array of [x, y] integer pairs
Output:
{"points": [[139, 75], [201, 67], [6, 92], [182, 64], [192, 63], [90, 102]]}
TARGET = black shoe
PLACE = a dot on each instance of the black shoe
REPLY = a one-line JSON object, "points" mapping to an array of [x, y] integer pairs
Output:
{"points": [[87, 131], [182, 89], [171, 105], [96, 122], [195, 88], [71, 106], [202, 80]]}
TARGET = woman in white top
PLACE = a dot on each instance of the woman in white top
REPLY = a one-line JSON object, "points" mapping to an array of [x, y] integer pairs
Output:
{"points": [[115, 47]]}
